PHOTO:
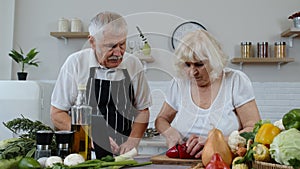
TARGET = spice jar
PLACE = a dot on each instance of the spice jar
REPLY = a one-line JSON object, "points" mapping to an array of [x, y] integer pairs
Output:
{"points": [[63, 25], [262, 49], [279, 49], [75, 25], [246, 49]]}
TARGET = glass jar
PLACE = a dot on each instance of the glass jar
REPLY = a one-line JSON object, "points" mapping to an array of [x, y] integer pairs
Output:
{"points": [[262, 49], [76, 25], [63, 25], [279, 49], [246, 49]]}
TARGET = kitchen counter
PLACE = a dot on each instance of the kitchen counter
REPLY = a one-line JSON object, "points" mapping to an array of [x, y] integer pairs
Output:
{"points": [[145, 158], [153, 145]]}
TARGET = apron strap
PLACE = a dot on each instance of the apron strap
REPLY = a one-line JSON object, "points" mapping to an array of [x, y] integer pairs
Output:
{"points": [[90, 94], [128, 83]]}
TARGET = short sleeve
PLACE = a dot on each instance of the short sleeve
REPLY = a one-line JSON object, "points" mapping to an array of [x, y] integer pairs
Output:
{"points": [[139, 80], [65, 91], [173, 95], [142, 94], [242, 89]]}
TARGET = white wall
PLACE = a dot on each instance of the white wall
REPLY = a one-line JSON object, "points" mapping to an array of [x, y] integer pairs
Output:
{"points": [[6, 43], [231, 21]]}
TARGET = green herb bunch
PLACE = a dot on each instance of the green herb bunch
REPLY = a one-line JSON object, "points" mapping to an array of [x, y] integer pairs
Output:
{"points": [[17, 147], [26, 126]]}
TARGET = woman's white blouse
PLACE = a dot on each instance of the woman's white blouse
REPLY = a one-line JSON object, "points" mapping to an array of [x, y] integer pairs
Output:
{"points": [[235, 90]]}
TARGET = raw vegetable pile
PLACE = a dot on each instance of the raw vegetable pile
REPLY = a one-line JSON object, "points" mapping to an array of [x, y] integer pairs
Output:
{"points": [[273, 143], [18, 153]]}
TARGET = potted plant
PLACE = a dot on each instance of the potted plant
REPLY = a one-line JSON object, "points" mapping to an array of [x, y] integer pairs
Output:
{"points": [[296, 18], [28, 59]]}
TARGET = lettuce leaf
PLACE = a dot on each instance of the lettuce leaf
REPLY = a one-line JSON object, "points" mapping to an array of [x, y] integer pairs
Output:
{"points": [[286, 146]]}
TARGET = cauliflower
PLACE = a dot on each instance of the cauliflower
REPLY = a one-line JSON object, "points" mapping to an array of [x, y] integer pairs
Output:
{"points": [[73, 159], [235, 141], [52, 160], [279, 124]]}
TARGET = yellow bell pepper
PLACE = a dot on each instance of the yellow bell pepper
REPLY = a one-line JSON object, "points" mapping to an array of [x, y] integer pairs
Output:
{"points": [[261, 153], [266, 134]]}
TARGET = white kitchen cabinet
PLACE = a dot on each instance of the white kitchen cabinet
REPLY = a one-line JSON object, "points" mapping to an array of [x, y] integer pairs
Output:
{"points": [[16, 98], [28, 98]]}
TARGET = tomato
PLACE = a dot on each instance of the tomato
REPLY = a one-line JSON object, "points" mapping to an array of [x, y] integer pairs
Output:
{"points": [[28, 163]]}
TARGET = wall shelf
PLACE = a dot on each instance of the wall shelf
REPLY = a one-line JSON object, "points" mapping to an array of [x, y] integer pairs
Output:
{"points": [[66, 35], [278, 61], [291, 33]]}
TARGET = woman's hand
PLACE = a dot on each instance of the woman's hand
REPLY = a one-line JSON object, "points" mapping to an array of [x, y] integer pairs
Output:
{"points": [[195, 145], [173, 137]]}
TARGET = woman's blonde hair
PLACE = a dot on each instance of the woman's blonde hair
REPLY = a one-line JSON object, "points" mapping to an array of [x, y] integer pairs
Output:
{"points": [[200, 46]]}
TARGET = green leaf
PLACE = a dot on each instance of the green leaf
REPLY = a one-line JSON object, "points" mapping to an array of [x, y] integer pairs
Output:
{"points": [[259, 124], [248, 135], [295, 163], [30, 153], [28, 59]]}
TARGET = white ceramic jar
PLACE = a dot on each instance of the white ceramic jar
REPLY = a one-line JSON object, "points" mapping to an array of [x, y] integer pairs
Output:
{"points": [[76, 25], [63, 25]]}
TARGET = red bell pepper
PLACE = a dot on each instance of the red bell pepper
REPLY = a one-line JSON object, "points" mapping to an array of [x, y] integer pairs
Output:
{"points": [[179, 151], [173, 152], [217, 162], [182, 152]]}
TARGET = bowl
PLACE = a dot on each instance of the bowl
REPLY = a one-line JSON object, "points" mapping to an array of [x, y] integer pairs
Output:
{"points": [[296, 21]]}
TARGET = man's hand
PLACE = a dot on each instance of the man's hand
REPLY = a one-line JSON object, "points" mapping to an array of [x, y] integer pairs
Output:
{"points": [[129, 145], [114, 146]]}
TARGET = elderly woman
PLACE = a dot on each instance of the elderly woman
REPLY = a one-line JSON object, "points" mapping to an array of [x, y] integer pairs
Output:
{"points": [[207, 94]]}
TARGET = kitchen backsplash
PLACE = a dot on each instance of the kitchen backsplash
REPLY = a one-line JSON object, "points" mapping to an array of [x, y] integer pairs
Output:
{"points": [[274, 99]]}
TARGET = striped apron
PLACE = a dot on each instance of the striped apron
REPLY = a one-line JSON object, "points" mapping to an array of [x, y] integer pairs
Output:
{"points": [[112, 101]]}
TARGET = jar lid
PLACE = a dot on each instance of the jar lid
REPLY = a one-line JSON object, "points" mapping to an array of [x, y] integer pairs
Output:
{"points": [[63, 19], [75, 19], [245, 43], [262, 43], [279, 43]]}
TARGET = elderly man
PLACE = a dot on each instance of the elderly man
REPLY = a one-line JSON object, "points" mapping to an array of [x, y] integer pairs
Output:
{"points": [[114, 80]]}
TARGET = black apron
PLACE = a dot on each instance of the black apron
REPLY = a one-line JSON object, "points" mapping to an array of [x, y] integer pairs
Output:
{"points": [[112, 103]]}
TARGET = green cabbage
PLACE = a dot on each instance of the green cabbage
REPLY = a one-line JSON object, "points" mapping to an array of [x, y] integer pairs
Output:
{"points": [[286, 146]]}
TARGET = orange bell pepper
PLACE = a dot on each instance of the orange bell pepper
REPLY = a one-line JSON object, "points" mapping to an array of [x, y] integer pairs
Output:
{"points": [[266, 134]]}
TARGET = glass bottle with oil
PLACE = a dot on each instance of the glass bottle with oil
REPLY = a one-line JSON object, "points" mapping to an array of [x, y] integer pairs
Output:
{"points": [[81, 114]]}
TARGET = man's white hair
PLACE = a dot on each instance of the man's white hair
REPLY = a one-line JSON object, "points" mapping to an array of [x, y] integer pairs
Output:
{"points": [[104, 19]]}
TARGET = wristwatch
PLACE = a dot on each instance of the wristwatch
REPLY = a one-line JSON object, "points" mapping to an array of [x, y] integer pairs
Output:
{"points": [[182, 29]]}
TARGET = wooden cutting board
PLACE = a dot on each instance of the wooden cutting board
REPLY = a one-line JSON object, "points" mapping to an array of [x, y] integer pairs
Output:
{"points": [[163, 159]]}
